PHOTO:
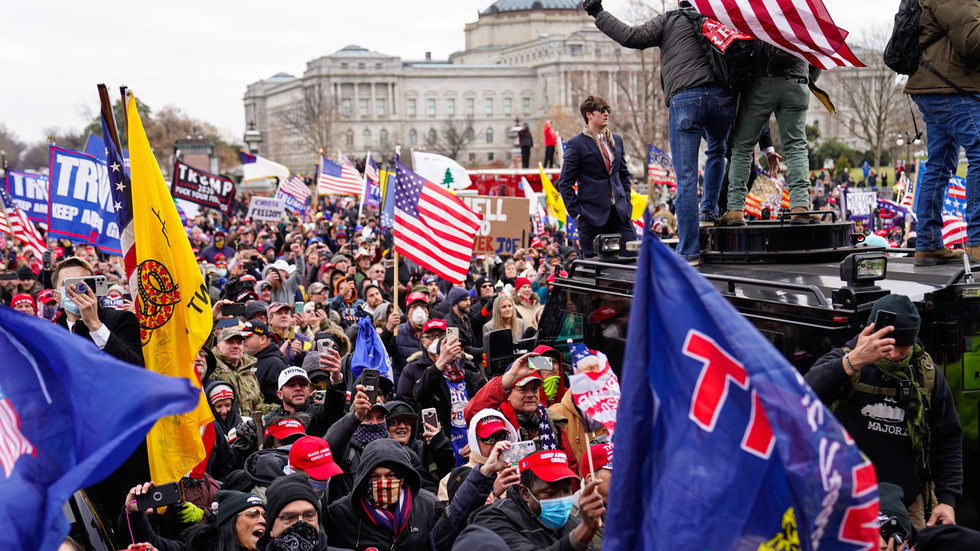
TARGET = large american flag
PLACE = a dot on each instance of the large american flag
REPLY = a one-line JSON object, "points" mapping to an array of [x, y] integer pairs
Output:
{"points": [[13, 444], [122, 198], [954, 207], [801, 27], [659, 168], [433, 227], [16, 223], [338, 179], [296, 187]]}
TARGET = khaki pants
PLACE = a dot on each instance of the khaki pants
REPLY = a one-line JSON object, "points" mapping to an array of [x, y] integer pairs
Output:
{"points": [[917, 513]]}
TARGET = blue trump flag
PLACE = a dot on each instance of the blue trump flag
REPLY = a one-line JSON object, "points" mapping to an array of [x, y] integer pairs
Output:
{"points": [[70, 415], [369, 351], [81, 202], [720, 444]]}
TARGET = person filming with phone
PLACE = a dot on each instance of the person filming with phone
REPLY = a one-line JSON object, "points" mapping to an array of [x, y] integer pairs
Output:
{"points": [[891, 397]]}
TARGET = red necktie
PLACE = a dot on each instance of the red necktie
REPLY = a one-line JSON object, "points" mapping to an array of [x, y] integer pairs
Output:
{"points": [[605, 152]]}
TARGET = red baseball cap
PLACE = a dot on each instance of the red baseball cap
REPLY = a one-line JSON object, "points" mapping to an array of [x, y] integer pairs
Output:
{"points": [[602, 458], [490, 425], [550, 466], [435, 323], [417, 296], [285, 428], [603, 313], [312, 455], [534, 375]]}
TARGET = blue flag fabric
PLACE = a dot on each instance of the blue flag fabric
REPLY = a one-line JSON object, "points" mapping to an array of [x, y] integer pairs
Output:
{"points": [[82, 207], [369, 351], [720, 444], [77, 414]]}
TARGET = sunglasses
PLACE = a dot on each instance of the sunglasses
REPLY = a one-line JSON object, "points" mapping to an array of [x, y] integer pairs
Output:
{"points": [[605, 110], [493, 439]]}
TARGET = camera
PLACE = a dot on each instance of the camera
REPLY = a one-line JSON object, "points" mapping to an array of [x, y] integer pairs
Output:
{"points": [[904, 392]]}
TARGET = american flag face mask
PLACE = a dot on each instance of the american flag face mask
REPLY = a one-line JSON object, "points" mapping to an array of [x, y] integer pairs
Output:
{"points": [[384, 493]]}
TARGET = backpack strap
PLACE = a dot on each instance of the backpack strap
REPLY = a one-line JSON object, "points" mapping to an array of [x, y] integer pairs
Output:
{"points": [[850, 388], [927, 369]]}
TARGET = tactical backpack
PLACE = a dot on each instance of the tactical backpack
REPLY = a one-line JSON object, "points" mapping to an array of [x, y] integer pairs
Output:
{"points": [[732, 66], [927, 370], [903, 52]]}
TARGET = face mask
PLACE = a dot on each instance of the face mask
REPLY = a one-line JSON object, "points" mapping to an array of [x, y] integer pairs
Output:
{"points": [[385, 493], [433, 348], [554, 512], [223, 272], [419, 317], [68, 304], [320, 487], [299, 537], [365, 434], [611, 332], [49, 311]]}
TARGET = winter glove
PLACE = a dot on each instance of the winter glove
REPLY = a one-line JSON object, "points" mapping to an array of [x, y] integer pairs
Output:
{"points": [[550, 387], [245, 438], [592, 7], [190, 513]]}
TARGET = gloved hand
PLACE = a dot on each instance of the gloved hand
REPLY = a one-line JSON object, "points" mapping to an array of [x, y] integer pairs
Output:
{"points": [[551, 387], [190, 513], [592, 7]]}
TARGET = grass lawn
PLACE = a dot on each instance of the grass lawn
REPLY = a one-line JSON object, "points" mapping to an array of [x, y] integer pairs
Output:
{"points": [[857, 173]]}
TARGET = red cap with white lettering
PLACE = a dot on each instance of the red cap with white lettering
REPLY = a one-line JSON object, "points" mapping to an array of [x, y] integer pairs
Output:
{"points": [[550, 466]]}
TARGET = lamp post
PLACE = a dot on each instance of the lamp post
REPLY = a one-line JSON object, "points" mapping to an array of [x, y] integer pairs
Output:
{"points": [[907, 139], [252, 138]]}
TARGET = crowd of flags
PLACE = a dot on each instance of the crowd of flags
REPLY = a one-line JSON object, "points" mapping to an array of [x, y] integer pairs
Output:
{"points": [[15, 223]]}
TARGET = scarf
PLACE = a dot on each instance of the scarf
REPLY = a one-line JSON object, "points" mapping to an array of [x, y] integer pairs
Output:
{"points": [[546, 435], [298, 537], [607, 136], [915, 410], [454, 371], [396, 522], [365, 434]]}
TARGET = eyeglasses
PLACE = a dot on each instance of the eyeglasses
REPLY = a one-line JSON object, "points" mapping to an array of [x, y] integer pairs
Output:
{"points": [[487, 285], [605, 110], [252, 513], [493, 439], [529, 388], [289, 518]]}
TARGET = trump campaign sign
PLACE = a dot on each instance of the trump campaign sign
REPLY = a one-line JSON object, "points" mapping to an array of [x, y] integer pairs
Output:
{"points": [[82, 209], [201, 187], [30, 194]]}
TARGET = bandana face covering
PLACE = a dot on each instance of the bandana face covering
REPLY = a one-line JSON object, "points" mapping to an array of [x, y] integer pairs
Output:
{"points": [[454, 371], [384, 493], [298, 537], [365, 434]]}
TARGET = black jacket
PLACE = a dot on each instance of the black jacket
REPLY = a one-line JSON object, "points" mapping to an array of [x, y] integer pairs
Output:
{"points": [[351, 525], [431, 392], [467, 338], [406, 344], [316, 418], [471, 495], [873, 423], [124, 333], [264, 466], [268, 365], [512, 520]]}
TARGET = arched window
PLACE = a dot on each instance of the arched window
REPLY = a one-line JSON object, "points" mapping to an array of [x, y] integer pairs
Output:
{"points": [[433, 137], [366, 137], [489, 135], [383, 137], [349, 137], [413, 137]]}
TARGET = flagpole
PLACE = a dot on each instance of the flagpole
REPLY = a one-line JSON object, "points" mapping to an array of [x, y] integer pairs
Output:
{"points": [[398, 154], [588, 450], [360, 208]]}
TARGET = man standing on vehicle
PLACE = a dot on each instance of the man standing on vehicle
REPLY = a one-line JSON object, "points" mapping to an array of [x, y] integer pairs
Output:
{"points": [[594, 159], [889, 395]]}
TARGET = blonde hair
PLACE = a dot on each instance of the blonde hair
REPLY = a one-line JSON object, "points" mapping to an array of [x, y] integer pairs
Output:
{"points": [[498, 322]]}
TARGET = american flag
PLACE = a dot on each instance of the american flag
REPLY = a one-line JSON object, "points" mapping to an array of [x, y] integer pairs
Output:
{"points": [[295, 186], [371, 170], [954, 231], [433, 227], [659, 168], [122, 197], [19, 226], [908, 197], [803, 28], [954, 208], [338, 179], [13, 444]]}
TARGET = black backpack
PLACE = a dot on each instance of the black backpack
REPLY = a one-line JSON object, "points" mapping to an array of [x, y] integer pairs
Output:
{"points": [[731, 68], [903, 52]]}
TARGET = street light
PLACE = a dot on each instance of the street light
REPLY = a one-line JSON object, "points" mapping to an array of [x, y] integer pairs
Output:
{"points": [[253, 138], [907, 139]]}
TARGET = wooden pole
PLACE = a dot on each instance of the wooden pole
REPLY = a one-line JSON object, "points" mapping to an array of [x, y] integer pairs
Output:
{"points": [[588, 452]]}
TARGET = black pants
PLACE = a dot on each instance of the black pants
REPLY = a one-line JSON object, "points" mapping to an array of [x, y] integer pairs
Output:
{"points": [[549, 156], [525, 155], [588, 232]]}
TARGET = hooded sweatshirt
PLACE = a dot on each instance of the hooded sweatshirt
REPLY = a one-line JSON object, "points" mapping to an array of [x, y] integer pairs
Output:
{"points": [[264, 466], [476, 460]]}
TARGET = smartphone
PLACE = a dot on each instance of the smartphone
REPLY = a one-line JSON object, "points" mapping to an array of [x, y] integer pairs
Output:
{"points": [[323, 344], [298, 307], [518, 451], [160, 496], [452, 333], [542, 363], [233, 309], [884, 319], [429, 417], [319, 396], [369, 378], [97, 283]]}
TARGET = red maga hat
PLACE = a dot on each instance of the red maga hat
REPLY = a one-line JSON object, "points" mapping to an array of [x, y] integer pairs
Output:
{"points": [[550, 466]]}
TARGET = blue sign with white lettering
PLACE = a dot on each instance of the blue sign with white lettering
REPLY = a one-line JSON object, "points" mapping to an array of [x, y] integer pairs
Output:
{"points": [[30, 194], [81, 201]]}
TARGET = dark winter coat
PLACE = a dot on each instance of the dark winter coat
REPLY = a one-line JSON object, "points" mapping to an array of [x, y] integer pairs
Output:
{"points": [[471, 495], [431, 392], [406, 344], [512, 520], [269, 363]]}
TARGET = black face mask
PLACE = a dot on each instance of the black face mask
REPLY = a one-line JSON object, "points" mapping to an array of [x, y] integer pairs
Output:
{"points": [[298, 537]]}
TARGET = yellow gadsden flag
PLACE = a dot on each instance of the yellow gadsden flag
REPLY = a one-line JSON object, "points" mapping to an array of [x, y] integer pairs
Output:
{"points": [[556, 207], [172, 304]]}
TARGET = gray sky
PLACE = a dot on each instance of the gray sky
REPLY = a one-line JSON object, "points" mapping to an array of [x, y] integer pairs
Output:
{"points": [[200, 55]]}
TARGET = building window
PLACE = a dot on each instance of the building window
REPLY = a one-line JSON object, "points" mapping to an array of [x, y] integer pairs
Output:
{"points": [[343, 65], [526, 106], [430, 107], [575, 50], [360, 65], [349, 138], [345, 107], [490, 156], [363, 104], [383, 138], [377, 65], [413, 137], [507, 106], [379, 105], [411, 108], [488, 105], [469, 106], [433, 137], [472, 157], [489, 135], [450, 106], [366, 138], [470, 135]]}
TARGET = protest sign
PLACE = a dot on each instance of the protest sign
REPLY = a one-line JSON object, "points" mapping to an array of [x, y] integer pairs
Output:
{"points": [[266, 208], [30, 194], [505, 223], [860, 203], [202, 187], [81, 201], [595, 388]]}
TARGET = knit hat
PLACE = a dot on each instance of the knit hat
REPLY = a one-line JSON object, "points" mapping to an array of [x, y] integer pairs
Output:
{"points": [[231, 502], [220, 392], [891, 506], [521, 281], [23, 298], [907, 318], [457, 294], [287, 489], [25, 272]]}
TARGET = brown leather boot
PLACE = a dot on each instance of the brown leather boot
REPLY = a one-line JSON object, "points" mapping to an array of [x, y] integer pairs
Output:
{"points": [[803, 218], [974, 254], [732, 218], [938, 256]]}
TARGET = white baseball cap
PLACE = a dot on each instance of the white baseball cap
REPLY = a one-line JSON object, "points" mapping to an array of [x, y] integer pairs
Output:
{"points": [[291, 373]]}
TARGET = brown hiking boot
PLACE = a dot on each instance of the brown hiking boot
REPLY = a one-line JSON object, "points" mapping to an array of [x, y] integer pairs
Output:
{"points": [[974, 254], [732, 218], [938, 256], [803, 218]]}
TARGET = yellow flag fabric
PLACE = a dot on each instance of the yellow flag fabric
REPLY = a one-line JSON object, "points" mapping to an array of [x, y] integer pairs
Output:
{"points": [[639, 204], [172, 302], [556, 207]]}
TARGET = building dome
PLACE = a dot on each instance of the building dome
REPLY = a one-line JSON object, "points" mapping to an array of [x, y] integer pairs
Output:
{"points": [[502, 6]]}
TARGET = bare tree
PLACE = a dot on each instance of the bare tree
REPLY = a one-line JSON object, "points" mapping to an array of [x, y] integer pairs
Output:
{"points": [[313, 119], [451, 139], [872, 96]]}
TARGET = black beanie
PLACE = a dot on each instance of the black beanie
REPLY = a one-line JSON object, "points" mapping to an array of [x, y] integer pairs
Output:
{"points": [[907, 318], [891, 506], [456, 295], [25, 273], [285, 490], [232, 502]]}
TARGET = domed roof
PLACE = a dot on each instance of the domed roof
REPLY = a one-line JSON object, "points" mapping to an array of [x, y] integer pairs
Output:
{"points": [[501, 6]]}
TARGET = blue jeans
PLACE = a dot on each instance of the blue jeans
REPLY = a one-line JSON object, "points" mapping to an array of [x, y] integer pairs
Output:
{"points": [[702, 111], [951, 121]]}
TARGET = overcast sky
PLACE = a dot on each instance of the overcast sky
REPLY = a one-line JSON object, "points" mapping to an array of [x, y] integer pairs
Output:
{"points": [[201, 55]]}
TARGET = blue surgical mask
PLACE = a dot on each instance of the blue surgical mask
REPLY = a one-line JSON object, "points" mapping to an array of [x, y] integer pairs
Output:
{"points": [[320, 487], [69, 304], [554, 512]]}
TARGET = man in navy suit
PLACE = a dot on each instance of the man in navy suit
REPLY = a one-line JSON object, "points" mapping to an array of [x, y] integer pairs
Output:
{"points": [[595, 160]]}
